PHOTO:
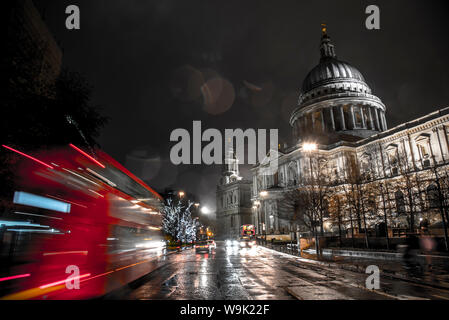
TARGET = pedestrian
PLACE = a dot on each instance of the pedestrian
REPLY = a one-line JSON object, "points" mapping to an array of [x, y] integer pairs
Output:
{"points": [[410, 256], [428, 245]]}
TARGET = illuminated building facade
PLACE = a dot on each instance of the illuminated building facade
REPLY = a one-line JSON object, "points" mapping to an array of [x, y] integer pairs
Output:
{"points": [[340, 136]]}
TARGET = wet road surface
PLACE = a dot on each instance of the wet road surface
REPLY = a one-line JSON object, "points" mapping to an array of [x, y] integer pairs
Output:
{"points": [[233, 273]]}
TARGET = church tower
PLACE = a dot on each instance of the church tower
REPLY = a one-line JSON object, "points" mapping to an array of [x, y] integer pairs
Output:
{"points": [[233, 198], [230, 172]]}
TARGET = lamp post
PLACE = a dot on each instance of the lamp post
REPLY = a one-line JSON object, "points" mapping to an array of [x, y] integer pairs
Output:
{"points": [[264, 194], [256, 206]]}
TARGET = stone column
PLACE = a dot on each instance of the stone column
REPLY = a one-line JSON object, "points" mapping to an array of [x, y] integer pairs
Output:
{"points": [[313, 121], [376, 111], [445, 135], [298, 166], [323, 128], [352, 117], [362, 107], [437, 132], [343, 124], [384, 121], [372, 127], [331, 109]]}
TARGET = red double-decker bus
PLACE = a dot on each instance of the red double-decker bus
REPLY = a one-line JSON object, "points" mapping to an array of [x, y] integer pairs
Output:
{"points": [[75, 225], [247, 230], [247, 235]]}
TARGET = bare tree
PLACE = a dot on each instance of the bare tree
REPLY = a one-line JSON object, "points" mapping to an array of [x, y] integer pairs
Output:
{"points": [[337, 214], [355, 194], [408, 182], [307, 205], [440, 196]]}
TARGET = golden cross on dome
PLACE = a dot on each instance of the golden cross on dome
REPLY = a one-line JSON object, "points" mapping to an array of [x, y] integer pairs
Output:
{"points": [[324, 28]]}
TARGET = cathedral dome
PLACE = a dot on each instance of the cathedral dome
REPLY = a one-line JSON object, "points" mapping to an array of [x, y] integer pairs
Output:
{"points": [[331, 70], [335, 102]]}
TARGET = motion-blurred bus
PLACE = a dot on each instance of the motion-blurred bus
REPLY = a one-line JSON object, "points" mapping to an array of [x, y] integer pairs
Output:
{"points": [[247, 230], [75, 225], [247, 235]]}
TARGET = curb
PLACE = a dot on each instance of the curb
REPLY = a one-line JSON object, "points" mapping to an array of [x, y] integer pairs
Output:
{"points": [[360, 269]]}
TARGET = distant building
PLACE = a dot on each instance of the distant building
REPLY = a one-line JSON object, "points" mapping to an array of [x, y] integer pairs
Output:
{"points": [[233, 199], [340, 133]]}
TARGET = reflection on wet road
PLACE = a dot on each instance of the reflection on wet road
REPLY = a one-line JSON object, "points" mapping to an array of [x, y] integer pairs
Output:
{"points": [[233, 273]]}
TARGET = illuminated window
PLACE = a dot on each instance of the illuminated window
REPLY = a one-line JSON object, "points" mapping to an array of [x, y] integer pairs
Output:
{"points": [[433, 196]]}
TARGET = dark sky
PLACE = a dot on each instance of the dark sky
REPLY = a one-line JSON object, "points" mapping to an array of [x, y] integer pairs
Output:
{"points": [[147, 61]]}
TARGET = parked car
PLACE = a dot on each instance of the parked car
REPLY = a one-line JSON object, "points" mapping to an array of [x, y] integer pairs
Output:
{"points": [[202, 246]]}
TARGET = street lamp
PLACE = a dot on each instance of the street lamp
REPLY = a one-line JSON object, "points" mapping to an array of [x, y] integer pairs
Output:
{"points": [[205, 210], [263, 193], [197, 205], [308, 147]]}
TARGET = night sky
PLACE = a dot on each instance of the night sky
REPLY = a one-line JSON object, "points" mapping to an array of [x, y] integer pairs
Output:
{"points": [[147, 61]]}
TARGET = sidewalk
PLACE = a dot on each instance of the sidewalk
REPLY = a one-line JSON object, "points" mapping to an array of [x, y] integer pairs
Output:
{"points": [[390, 264]]}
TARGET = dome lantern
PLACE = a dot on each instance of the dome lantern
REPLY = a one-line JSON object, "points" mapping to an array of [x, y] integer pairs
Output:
{"points": [[327, 48]]}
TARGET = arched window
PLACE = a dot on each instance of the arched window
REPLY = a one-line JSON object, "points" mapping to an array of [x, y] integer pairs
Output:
{"points": [[433, 196], [400, 203], [365, 165]]}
